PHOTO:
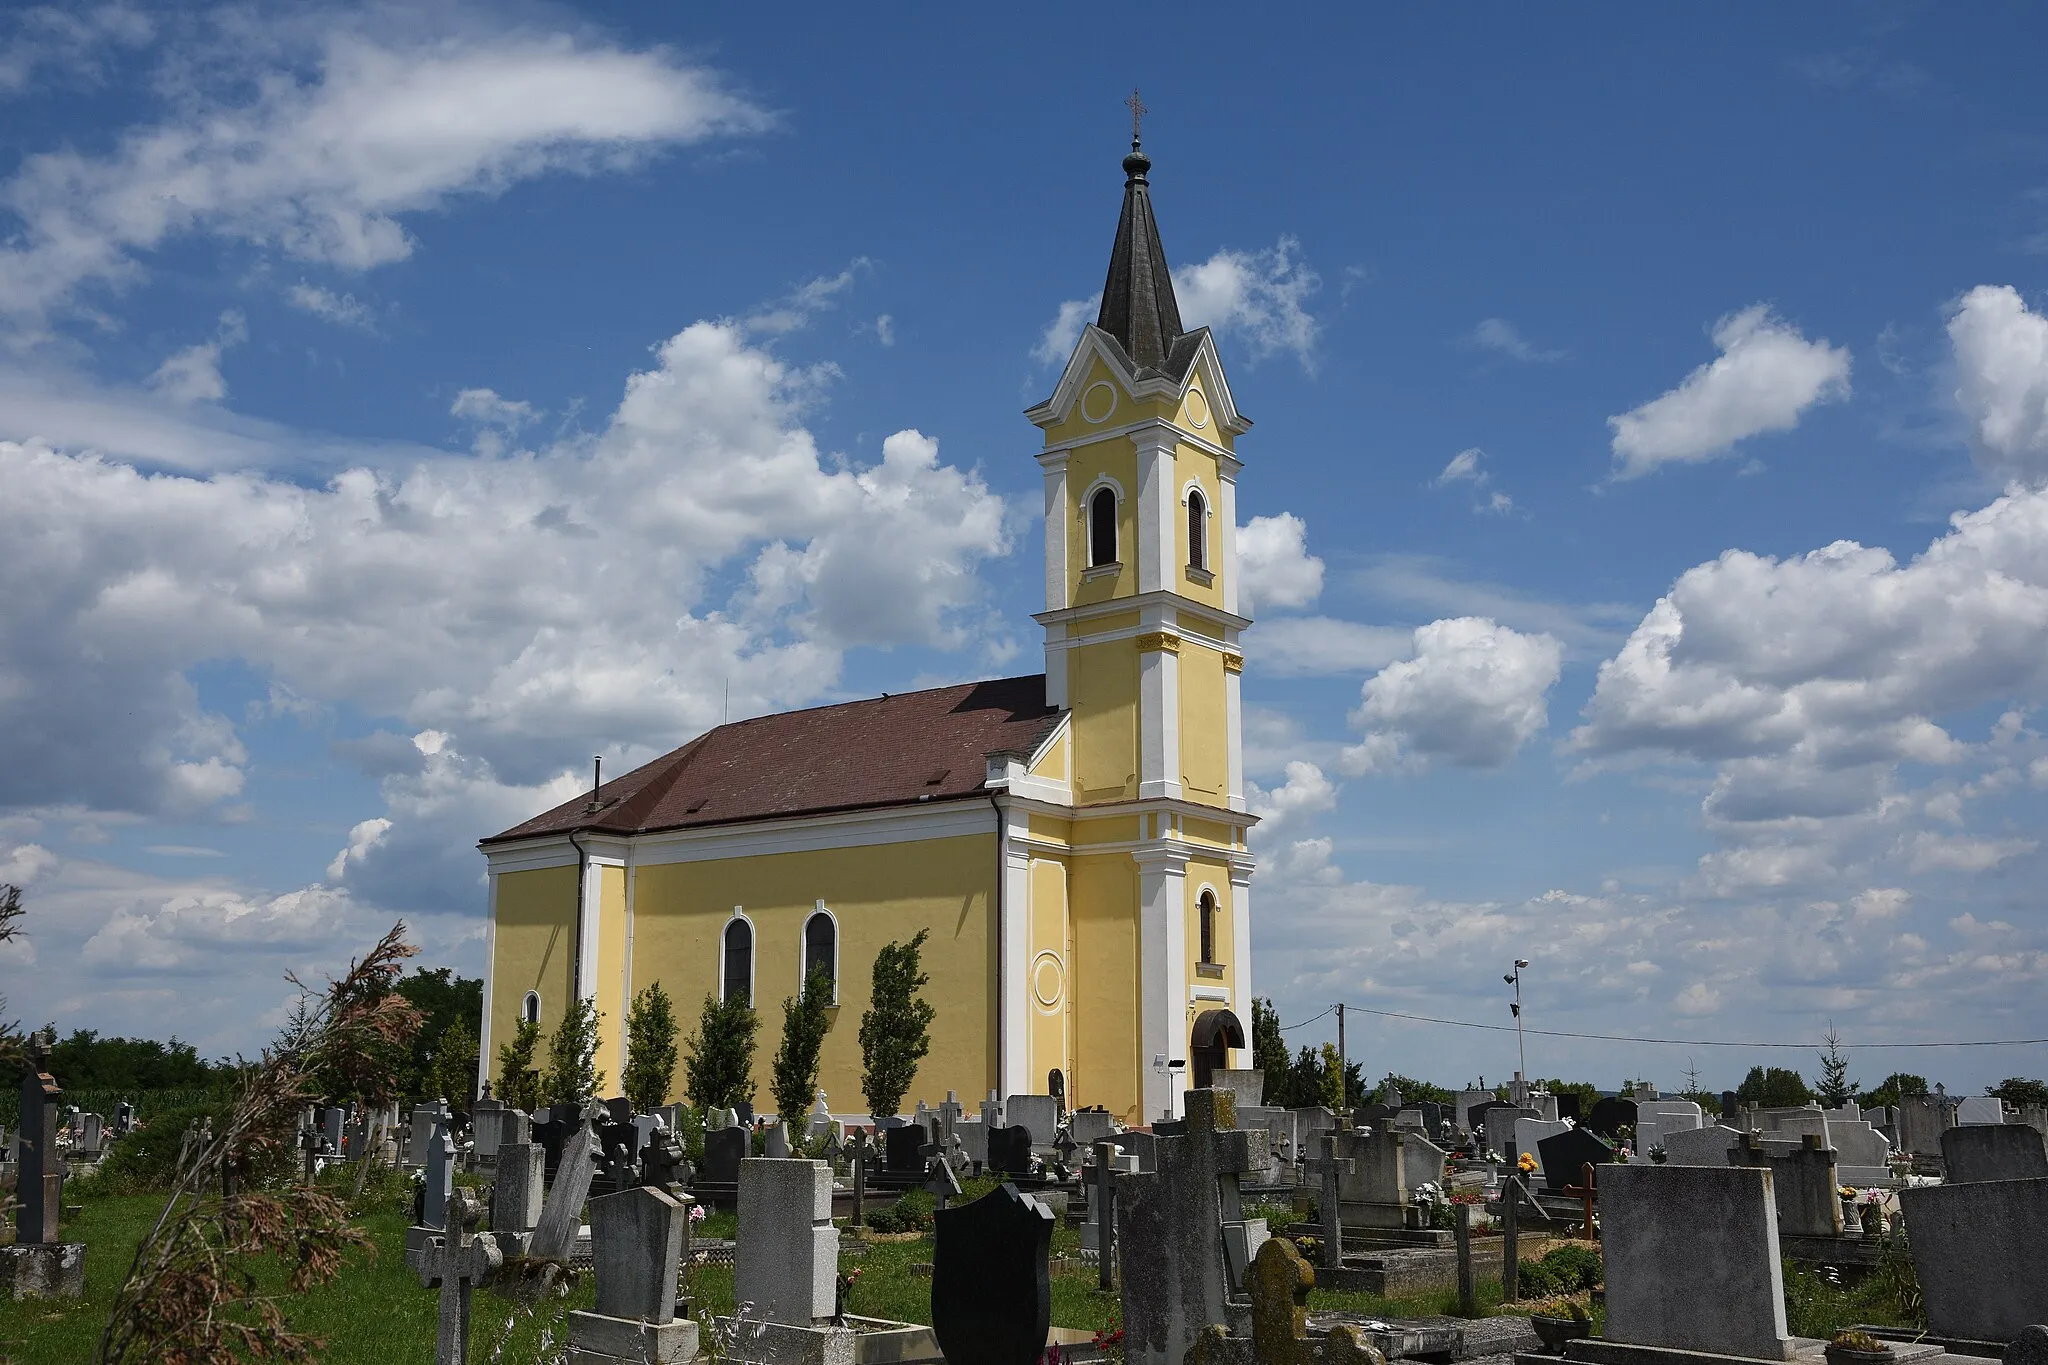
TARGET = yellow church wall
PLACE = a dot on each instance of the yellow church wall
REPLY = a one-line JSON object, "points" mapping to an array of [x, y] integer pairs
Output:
{"points": [[1192, 462], [1047, 974], [1117, 458], [1049, 827], [1052, 764], [1115, 829], [1103, 900], [612, 986], [1204, 726], [1077, 424], [1208, 832], [533, 948], [1213, 875], [1102, 689], [877, 893]]}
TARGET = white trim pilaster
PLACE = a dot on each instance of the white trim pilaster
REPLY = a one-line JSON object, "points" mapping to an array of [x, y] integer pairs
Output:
{"points": [[1241, 939], [1059, 521], [1014, 990], [1156, 507], [1163, 984], [483, 1028], [1226, 531], [1158, 722], [593, 909], [1233, 726], [626, 974]]}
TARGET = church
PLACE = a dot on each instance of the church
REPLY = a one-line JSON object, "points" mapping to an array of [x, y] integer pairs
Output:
{"points": [[1074, 841]]}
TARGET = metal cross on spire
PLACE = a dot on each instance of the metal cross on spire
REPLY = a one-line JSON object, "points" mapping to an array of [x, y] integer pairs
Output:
{"points": [[1138, 112]]}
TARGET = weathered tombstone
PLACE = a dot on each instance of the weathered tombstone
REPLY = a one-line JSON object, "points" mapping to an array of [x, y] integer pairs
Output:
{"points": [[1039, 1113], [1467, 1100], [1090, 1126], [1803, 1184], [561, 1215], [1657, 1120], [638, 1241], [1009, 1151], [778, 1140], [516, 1195], [440, 1178], [1701, 1147], [1170, 1225], [1922, 1120], [1278, 1282], [1721, 1226], [456, 1264], [1098, 1234], [1610, 1115], [38, 1265], [1563, 1154], [724, 1150], [1979, 1253], [424, 1119], [861, 1152], [1247, 1087], [1529, 1136], [1332, 1168], [331, 1120], [991, 1290], [1500, 1128], [1985, 1151], [487, 1124], [787, 1262], [1974, 1109]]}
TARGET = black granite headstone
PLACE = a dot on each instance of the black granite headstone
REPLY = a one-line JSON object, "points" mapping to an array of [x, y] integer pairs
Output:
{"points": [[1009, 1150], [1565, 1154], [1568, 1104], [619, 1109], [746, 1112], [1475, 1117], [552, 1134], [903, 1150], [724, 1149], [1433, 1115], [1612, 1114], [991, 1289]]}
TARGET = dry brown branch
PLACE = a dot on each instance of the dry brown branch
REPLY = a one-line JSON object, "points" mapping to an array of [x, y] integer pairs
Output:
{"points": [[192, 1296]]}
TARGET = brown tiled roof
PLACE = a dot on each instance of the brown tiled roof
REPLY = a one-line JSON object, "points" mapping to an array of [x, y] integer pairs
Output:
{"points": [[885, 751]]}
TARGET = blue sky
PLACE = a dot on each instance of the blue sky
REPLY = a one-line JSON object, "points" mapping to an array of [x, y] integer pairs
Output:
{"points": [[398, 406]]}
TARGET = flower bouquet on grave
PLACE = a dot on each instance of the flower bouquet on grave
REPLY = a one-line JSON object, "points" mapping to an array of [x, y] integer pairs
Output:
{"points": [[1558, 1321], [1857, 1347], [1526, 1164]]}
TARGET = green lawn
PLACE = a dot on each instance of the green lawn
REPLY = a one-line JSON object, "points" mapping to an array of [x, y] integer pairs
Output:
{"points": [[376, 1313]]}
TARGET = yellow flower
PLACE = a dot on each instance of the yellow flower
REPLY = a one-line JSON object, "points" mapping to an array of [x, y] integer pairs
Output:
{"points": [[1527, 1164]]}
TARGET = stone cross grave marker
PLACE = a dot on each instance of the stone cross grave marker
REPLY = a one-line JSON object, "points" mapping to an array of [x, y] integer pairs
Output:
{"points": [[991, 1286], [457, 1264], [561, 1216], [1279, 1281], [1172, 1223], [1332, 1168], [39, 1182], [940, 1181]]}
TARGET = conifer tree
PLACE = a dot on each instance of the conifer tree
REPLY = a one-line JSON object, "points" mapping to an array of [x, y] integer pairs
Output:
{"points": [[719, 1064], [1269, 1049], [895, 1032], [1835, 1088], [1331, 1094], [518, 1080], [572, 1076], [650, 1050], [806, 1019], [453, 1077]]}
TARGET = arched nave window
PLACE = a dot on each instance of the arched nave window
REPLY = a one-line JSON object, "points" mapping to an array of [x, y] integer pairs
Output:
{"points": [[821, 949], [739, 961]]}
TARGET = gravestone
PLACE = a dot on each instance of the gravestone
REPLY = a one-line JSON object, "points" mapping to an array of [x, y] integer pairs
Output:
{"points": [[1692, 1260], [1979, 1251], [1975, 1109], [724, 1150], [1009, 1151], [1247, 1087], [1922, 1120], [1569, 1105], [1090, 1126], [1278, 1284], [663, 1165], [487, 1126], [90, 1130], [1170, 1224], [1468, 1100], [516, 1194], [639, 1239], [777, 1145], [991, 1289], [1701, 1147], [1610, 1115], [1529, 1135], [787, 1262], [1657, 1120], [1500, 1129], [1039, 1113], [440, 1178], [455, 1265], [1565, 1155], [331, 1120], [1803, 1183], [424, 1119], [1331, 1169], [561, 1214], [2005, 1151], [903, 1150], [38, 1266]]}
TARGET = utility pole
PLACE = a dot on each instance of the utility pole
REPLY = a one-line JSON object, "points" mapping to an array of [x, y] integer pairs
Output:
{"points": [[1514, 978], [1343, 1058]]}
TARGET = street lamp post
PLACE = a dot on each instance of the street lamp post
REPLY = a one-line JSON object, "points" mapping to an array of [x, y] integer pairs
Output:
{"points": [[1514, 978]]}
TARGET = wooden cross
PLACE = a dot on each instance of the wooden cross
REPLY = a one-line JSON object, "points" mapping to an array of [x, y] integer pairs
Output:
{"points": [[457, 1263], [1584, 1192], [1138, 112]]}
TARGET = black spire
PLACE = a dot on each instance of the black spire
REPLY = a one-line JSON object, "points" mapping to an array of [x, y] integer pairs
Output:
{"points": [[1138, 306]]}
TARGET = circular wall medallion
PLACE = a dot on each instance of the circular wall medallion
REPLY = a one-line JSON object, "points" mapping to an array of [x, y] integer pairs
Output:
{"points": [[1048, 979], [1198, 408], [1099, 401]]}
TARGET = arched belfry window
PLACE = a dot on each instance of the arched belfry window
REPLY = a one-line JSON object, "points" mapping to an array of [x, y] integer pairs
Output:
{"points": [[1198, 531], [1206, 909], [529, 1008], [739, 961], [821, 950], [1102, 527]]}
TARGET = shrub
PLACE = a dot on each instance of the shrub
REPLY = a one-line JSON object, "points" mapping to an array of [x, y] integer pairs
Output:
{"points": [[650, 1050], [146, 1160], [911, 1213], [1563, 1270]]}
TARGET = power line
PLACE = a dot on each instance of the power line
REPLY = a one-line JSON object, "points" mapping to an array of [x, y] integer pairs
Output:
{"points": [[1289, 1028], [1674, 1042]]}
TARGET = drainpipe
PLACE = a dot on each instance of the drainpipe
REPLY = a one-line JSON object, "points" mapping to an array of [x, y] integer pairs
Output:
{"points": [[576, 956], [1002, 875]]}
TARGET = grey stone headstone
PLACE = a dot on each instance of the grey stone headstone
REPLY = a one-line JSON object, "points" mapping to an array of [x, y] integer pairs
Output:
{"points": [[1171, 1231], [39, 1180], [787, 1262], [778, 1140], [1922, 1120], [1978, 1250], [1701, 1146], [1500, 1128], [1976, 1109], [1984, 1151], [561, 1215], [487, 1129], [1090, 1126], [1657, 1120], [517, 1191], [331, 1121], [1529, 1136], [1247, 1085], [636, 1244], [1462, 1116], [1039, 1113], [973, 1135], [1692, 1260], [440, 1178]]}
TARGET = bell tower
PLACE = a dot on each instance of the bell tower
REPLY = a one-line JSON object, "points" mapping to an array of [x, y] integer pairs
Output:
{"points": [[1143, 651]]}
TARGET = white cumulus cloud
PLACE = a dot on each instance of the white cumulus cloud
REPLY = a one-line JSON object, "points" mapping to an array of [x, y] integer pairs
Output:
{"points": [[1258, 297], [1473, 694], [2001, 350], [1274, 567], [1765, 378]]}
